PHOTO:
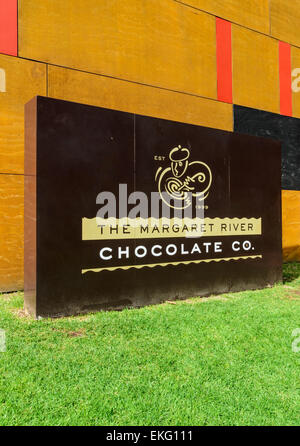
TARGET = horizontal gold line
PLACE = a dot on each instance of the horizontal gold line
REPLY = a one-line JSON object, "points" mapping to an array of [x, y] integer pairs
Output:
{"points": [[153, 265]]}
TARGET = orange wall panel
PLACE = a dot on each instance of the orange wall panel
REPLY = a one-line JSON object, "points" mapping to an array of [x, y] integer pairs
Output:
{"points": [[285, 19], [252, 14], [106, 92], [20, 80], [161, 43], [255, 70], [11, 232], [291, 225]]}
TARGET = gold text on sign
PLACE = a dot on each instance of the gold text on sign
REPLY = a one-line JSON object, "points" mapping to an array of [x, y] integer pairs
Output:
{"points": [[125, 228]]}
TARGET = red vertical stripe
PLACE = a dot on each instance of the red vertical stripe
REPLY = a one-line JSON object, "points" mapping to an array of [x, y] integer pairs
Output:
{"points": [[9, 27], [285, 79], [224, 60]]}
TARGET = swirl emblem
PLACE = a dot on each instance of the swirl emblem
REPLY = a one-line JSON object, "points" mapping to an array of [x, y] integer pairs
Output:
{"points": [[183, 180]]}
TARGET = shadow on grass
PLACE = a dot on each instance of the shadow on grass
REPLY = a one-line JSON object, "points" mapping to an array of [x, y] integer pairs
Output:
{"points": [[291, 272]]}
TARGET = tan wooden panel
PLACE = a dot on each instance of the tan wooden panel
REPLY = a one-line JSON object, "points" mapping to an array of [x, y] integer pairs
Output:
{"points": [[135, 98], [255, 70], [11, 232], [161, 43], [296, 81], [285, 20], [21, 80], [253, 14], [291, 225]]}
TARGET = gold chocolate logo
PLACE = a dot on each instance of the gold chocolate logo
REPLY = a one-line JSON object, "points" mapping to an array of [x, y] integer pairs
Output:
{"points": [[183, 180]]}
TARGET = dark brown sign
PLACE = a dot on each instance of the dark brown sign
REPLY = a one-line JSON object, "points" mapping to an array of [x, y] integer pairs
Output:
{"points": [[124, 210]]}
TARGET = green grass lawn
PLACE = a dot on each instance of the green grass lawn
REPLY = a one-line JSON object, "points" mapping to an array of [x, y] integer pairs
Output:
{"points": [[224, 360]]}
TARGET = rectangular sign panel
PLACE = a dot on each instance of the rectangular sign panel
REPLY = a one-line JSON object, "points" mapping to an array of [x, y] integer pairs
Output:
{"points": [[123, 210]]}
